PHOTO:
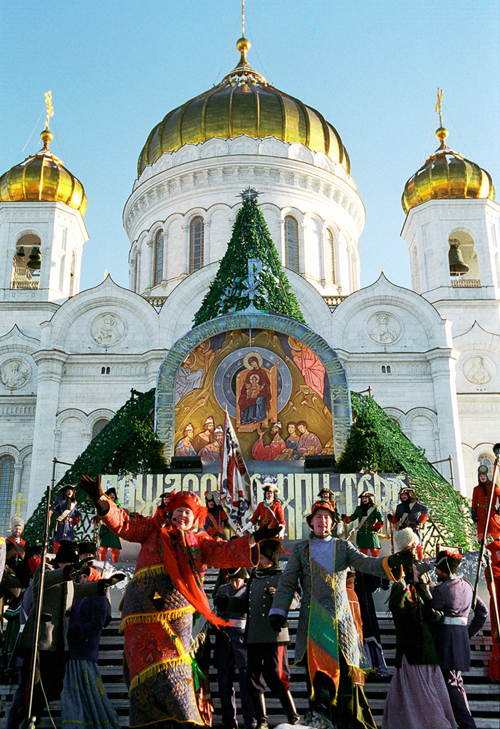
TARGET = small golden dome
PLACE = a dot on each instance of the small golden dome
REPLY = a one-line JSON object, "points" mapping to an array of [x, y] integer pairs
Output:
{"points": [[43, 177], [243, 103], [447, 175]]}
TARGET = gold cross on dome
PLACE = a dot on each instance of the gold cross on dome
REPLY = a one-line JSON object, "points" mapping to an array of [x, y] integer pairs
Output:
{"points": [[18, 503], [242, 18], [50, 108], [438, 106]]}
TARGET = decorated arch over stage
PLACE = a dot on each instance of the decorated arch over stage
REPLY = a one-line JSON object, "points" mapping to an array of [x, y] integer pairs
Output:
{"points": [[283, 386]]}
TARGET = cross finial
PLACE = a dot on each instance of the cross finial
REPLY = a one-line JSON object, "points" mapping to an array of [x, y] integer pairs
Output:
{"points": [[438, 106], [243, 18], [18, 503], [50, 108]]}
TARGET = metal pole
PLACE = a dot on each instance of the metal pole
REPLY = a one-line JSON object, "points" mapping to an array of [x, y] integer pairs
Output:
{"points": [[496, 451], [30, 720], [451, 471]]}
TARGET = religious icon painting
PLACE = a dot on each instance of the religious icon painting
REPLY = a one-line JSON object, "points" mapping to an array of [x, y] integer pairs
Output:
{"points": [[274, 388]]}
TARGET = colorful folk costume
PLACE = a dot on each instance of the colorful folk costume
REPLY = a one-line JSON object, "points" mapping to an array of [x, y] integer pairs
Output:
{"points": [[480, 499], [410, 514], [417, 696], [327, 641], [453, 598], [216, 517], [108, 540], [370, 522], [67, 516], [158, 607], [494, 666], [270, 512]]}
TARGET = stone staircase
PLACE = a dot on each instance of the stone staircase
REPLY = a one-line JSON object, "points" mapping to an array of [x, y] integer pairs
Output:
{"points": [[483, 695]]}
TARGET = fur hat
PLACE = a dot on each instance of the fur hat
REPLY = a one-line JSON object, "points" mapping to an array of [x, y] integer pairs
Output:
{"points": [[237, 573], [268, 486], [16, 521], [187, 499], [87, 548], [448, 561], [321, 505], [271, 549], [405, 538], [67, 552]]}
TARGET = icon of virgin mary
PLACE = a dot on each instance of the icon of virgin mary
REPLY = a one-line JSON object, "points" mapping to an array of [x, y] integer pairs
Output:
{"points": [[256, 389]]}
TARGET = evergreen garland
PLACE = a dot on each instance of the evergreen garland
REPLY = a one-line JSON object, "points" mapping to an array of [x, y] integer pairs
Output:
{"points": [[228, 292], [376, 443], [127, 444]]}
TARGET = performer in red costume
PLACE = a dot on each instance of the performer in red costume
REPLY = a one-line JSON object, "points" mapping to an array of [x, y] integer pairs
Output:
{"points": [[494, 667], [270, 512], [161, 598], [480, 499]]}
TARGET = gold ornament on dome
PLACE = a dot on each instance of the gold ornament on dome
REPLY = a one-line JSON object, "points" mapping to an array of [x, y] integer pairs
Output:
{"points": [[42, 176], [446, 174]]}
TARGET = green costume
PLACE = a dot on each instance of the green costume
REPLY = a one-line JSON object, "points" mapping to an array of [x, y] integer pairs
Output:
{"points": [[366, 536]]}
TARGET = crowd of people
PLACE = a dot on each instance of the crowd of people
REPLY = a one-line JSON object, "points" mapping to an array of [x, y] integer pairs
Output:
{"points": [[167, 618]]}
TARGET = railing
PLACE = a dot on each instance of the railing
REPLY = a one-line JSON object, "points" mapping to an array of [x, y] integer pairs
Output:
{"points": [[466, 283], [25, 283]]}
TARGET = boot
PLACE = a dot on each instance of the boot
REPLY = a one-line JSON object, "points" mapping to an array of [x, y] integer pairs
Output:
{"points": [[259, 710], [288, 704]]}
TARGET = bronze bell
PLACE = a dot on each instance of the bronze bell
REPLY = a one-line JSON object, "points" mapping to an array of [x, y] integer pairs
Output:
{"points": [[35, 259], [457, 263], [20, 252]]}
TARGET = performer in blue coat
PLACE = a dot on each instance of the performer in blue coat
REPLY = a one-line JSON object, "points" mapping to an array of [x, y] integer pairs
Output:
{"points": [[410, 514], [65, 508], [453, 597], [327, 641]]}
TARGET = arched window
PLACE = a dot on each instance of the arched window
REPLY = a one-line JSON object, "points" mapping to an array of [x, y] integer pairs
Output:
{"points": [[291, 243], [98, 426], [486, 459], [158, 261], [27, 263], [330, 256], [6, 486], [196, 239]]}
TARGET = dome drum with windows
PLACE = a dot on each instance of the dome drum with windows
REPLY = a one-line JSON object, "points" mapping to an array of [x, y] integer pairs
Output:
{"points": [[43, 177], [447, 175], [243, 103]]}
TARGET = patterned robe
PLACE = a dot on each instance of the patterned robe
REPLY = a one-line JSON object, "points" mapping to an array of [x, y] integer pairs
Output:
{"points": [[320, 566], [157, 620]]}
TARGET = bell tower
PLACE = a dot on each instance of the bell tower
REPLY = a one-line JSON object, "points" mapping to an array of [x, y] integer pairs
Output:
{"points": [[452, 234], [42, 232]]}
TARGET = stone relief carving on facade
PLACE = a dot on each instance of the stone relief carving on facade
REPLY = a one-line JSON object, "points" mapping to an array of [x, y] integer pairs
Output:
{"points": [[478, 369], [384, 328], [15, 373], [107, 329]]}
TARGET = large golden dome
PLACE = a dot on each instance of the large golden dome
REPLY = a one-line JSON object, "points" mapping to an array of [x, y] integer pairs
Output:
{"points": [[243, 103], [446, 174], [43, 177]]}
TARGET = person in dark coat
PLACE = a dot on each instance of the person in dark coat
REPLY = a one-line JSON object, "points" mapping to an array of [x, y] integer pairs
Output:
{"points": [[267, 648], [365, 585], [453, 597], [410, 514], [230, 651], [83, 700], [216, 517], [65, 509]]}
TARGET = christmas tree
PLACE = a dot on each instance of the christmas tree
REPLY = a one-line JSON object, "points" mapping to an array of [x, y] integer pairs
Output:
{"points": [[250, 274]]}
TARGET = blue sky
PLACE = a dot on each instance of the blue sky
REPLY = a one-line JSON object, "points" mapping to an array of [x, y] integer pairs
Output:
{"points": [[372, 67]]}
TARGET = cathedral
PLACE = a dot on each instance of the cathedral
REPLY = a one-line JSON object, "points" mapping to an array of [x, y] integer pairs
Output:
{"points": [[69, 358]]}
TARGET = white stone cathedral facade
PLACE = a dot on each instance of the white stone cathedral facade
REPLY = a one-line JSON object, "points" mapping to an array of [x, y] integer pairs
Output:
{"points": [[69, 358]]}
